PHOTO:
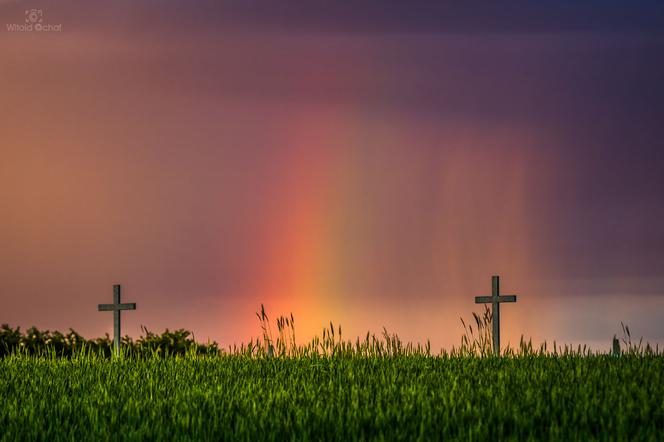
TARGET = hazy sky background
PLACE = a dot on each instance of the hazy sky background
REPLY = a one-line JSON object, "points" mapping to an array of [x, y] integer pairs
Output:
{"points": [[371, 163]]}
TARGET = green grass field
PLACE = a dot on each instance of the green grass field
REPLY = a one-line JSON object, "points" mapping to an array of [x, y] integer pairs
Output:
{"points": [[402, 397], [58, 386]]}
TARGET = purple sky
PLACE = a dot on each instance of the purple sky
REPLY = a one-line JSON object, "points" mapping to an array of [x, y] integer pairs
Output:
{"points": [[368, 165]]}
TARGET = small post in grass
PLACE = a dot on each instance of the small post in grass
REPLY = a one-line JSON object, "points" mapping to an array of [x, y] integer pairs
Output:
{"points": [[616, 346], [495, 299], [116, 308]]}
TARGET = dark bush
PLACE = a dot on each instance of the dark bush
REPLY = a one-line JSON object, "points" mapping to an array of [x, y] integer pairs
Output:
{"points": [[37, 342]]}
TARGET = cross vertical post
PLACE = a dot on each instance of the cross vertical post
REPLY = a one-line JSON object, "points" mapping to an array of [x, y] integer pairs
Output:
{"points": [[117, 336], [495, 305], [495, 299], [116, 308]]}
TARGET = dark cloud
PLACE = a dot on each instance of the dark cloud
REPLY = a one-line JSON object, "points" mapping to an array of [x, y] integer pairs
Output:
{"points": [[363, 16]]}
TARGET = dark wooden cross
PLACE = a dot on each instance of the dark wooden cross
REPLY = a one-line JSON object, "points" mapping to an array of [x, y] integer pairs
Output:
{"points": [[495, 299], [116, 307]]}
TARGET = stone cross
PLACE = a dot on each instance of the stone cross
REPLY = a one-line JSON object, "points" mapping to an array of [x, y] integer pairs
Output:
{"points": [[116, 307], [495, 299]]}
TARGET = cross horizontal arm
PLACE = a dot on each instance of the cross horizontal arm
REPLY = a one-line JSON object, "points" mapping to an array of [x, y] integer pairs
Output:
{"points": [[483, 299], [489, 299], [112, 307]]}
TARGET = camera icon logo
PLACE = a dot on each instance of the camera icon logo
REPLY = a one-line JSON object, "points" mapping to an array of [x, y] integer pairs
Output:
{"points": [[33, 16]]}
